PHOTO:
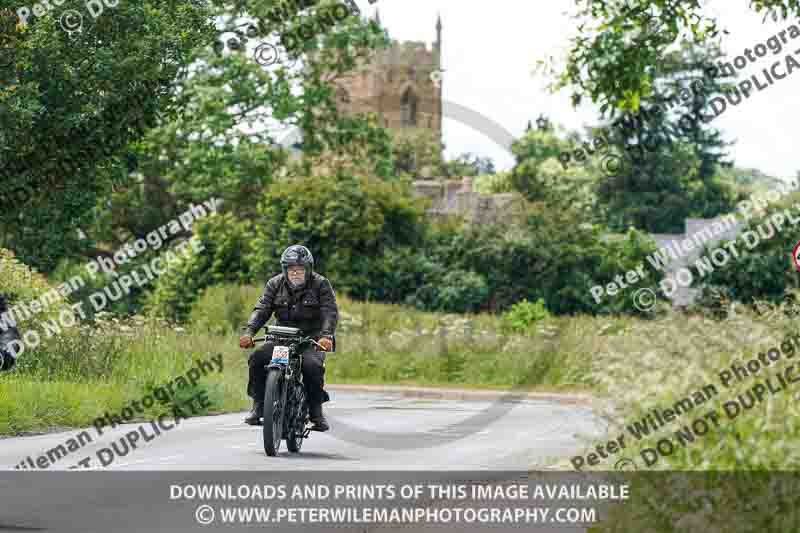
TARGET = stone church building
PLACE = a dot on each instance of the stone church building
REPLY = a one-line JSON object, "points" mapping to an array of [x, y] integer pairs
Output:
{"points": [[403, 86], [397, 85]]}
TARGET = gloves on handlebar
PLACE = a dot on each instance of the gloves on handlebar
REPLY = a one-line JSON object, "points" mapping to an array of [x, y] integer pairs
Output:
{"points": [[246, 341], [326, 343]]}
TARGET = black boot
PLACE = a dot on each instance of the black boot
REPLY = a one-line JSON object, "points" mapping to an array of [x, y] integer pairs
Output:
{"points": [[317, 418], [256, 413]]}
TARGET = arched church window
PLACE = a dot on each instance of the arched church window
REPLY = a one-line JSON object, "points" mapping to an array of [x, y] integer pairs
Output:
{"points": [[408, 105]]}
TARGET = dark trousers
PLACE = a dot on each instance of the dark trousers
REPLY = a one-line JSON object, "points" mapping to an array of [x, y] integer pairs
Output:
{"points": [[313, 373]]}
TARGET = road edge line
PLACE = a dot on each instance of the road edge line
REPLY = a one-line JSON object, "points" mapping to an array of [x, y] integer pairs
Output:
{"points": [[463, 394]]}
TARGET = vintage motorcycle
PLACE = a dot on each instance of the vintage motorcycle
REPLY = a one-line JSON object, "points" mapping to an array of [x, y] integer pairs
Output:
{"points": [[286, 411]]}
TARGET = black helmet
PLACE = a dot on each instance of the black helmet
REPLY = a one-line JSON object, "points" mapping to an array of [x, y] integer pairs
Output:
{"points": [[297, 254]]}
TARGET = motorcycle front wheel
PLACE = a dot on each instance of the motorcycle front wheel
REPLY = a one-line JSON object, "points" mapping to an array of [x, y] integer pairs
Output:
{"points": [[297, 424], [274, 405]]}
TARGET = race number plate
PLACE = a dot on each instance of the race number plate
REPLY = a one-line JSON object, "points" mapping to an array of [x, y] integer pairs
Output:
{"points": [[280, 354]]}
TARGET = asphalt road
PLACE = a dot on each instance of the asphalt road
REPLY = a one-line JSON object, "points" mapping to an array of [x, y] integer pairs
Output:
{"points": [[375, 438], [370, 431]]}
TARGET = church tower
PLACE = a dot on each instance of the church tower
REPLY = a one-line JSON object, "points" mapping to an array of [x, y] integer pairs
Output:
{"points": [[397, 85]]}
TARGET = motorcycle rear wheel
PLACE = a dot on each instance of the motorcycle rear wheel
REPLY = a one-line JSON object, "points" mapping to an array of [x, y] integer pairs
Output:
{"points": [[274, 411]]}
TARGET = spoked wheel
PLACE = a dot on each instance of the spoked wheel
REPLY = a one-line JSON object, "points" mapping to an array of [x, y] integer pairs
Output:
{"points": [[294, 439], [274, 410]]}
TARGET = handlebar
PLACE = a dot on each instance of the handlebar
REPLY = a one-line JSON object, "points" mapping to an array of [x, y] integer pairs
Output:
{"points": [[301, 341]]}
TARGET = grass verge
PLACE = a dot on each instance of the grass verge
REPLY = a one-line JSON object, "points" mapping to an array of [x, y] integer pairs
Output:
{"points": [[86, 371]]}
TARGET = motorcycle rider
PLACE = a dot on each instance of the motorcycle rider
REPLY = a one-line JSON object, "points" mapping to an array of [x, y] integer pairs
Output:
{"points": [[7, 358], [300, 298]]}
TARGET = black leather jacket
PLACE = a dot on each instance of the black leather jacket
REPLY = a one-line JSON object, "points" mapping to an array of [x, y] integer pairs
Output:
{"points": [[313, 308]]}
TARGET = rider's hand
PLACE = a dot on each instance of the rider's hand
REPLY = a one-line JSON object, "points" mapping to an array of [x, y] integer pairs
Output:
{"points": [[326, 343], [246, 341]]}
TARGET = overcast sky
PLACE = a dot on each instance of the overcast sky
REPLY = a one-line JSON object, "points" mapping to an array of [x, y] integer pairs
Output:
{"points": [[489, 55]]}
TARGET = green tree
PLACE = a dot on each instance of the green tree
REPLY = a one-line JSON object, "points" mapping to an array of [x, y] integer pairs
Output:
{"points": [[681, 78], [750, 180], [70, 104], [469, 164], [540, 177], [199, 130], [226, 242], [619, 42], [671, 157], [652, 197], [762, 271], [417, 152], [347, 222], [225, 140], [208, 150], [499, 182], [539, 252]]}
